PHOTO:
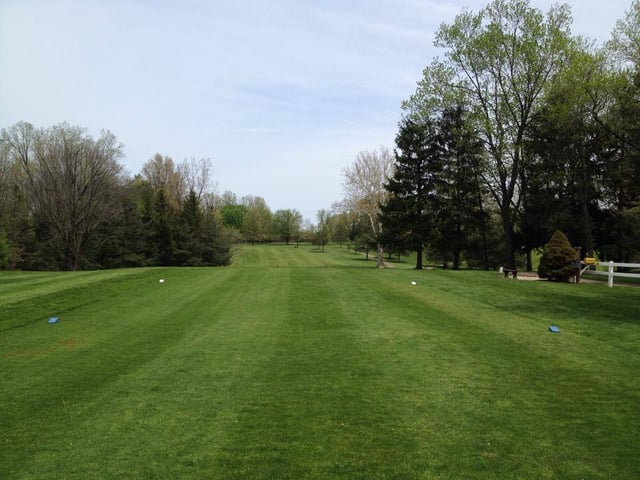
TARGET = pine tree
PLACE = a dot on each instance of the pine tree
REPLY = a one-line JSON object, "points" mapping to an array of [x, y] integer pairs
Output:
{"points": [[408, 215], [460, 218], [163, 231]]}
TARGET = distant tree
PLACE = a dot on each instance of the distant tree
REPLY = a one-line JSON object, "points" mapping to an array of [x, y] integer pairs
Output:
{"points": [[163, 228], [197, 176], [161, 173], [189, 233], [256, 225], [408, 216], [215, 245], [228, 198], [232, 215], [323, 230], [340, 224], [364, 189], [558, 258], [287, 224]]}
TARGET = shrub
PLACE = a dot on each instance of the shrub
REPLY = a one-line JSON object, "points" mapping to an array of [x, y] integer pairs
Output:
{"points": [[558, 258]]}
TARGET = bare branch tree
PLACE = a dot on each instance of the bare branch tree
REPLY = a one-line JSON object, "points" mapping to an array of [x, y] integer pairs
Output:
{"points": [[71, 180], [363, 187], [197, 176], [161, 173]]}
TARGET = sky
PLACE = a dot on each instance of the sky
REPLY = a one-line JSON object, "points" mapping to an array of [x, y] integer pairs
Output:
{"points": [[280, 95]]}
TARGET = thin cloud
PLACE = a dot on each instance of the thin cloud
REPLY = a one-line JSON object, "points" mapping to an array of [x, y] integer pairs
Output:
{"points": [[280, 95]]}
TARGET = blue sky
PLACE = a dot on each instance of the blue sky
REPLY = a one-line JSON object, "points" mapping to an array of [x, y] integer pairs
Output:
{"points": [[280, 95]]}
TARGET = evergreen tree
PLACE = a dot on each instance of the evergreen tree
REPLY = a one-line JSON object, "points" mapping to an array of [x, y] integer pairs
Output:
{"points": [[557, 261], [215, 247], [461, 215], [409, 214], [162, 229], [189, 234]]}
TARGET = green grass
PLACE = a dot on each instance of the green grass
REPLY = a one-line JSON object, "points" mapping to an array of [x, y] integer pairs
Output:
{"points": [[294, 363]]}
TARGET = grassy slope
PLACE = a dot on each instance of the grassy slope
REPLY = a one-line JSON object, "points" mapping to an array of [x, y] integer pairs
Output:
{"points": [[299, 364]]}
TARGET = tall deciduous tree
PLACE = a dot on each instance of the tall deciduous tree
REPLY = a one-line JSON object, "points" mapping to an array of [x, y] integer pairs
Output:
{"points": [[16, 208], [498, 63], [364, 192], [257, 219], [567, 151], [161, 173], [323, 230], [287, 224], [197, 176], [625, 38], [620, 237], [71, 180]]}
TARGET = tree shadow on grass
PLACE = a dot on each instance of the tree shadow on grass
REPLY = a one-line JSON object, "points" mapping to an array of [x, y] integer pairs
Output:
{"points": [[576, 302]]}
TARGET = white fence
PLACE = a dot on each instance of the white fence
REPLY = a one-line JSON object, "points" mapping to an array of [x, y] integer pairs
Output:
{"points": [[612, 273]]}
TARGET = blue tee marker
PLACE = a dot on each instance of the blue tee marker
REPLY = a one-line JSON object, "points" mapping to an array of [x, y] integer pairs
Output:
{"points": [[53, 320], [554, 329]]}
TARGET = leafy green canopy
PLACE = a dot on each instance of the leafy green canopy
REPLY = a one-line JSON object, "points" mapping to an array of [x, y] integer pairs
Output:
{"points": [[498, 62]]}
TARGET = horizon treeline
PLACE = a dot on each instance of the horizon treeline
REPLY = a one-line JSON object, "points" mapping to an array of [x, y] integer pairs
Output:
{"points": [[66, 204]]}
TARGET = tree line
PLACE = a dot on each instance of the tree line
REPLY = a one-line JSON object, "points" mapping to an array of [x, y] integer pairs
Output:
{"points": [[67, 204], [519, 130]]}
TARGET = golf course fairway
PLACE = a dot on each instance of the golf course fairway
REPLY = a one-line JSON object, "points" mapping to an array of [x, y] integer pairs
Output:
{"points": [[295, 363]]}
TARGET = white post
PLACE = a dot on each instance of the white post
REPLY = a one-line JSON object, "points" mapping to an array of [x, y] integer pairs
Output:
{"points": [[611, 274]]}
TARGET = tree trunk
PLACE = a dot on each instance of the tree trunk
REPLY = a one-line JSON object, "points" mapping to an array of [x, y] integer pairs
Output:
{"points": [[380, 256], [483, 230], [529, 261], [419, 251], [587, 240], [456, 260], [507, 226]]}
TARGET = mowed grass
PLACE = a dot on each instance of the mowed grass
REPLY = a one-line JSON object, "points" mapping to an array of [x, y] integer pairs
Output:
{"points": [[294, 363]]}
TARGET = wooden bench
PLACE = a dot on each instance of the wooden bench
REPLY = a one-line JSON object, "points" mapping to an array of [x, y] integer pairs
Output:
{"points": [[512, 271]]}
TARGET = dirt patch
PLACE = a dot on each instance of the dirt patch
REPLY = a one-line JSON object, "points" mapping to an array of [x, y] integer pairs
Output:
{"points": [[35, 353], [67, 344], [70, 343], [530, 277]]}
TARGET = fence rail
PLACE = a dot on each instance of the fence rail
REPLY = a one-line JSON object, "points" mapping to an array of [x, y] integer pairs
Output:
{"points": [[610, 273]]}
